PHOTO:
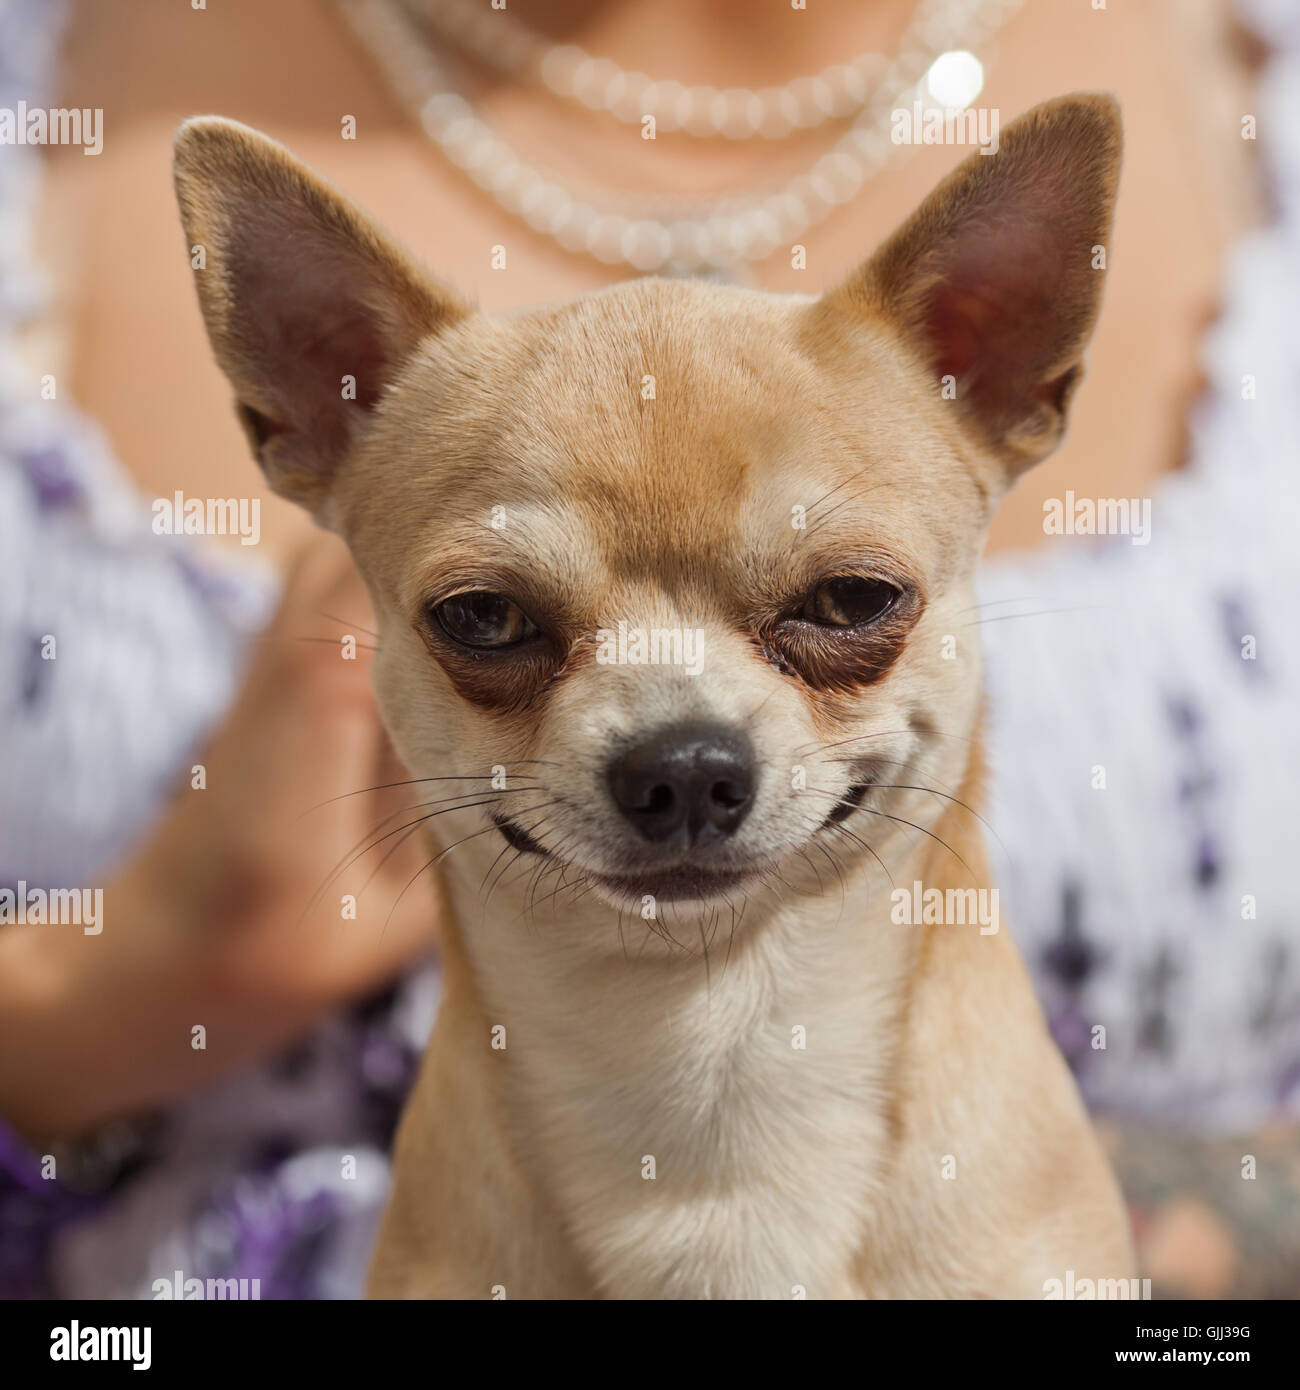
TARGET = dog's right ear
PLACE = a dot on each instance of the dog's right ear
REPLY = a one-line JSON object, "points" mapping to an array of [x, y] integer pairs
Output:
{"points": [[311, 309]]}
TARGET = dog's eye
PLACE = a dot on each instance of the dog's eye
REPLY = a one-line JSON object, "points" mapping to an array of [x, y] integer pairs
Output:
{"points": [[484, 620], [849, 601]]}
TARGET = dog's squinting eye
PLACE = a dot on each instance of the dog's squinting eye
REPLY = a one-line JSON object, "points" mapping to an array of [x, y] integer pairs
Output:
{"points": [[484, 620], [849, 601]]}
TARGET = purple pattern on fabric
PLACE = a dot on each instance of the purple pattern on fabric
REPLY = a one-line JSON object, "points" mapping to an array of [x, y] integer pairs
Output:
{"points": [[36, 670], [254, 1229], [52, 478], [1196, 787], [1237, 624], [1289, 1083], [1071, 961], [32, 1210]]}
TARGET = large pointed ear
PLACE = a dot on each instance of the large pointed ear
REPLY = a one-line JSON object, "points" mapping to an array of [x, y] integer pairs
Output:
{"points": [[311, 310], [996, 279]]}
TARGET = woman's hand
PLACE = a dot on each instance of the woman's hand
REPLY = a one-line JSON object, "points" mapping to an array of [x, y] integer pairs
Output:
{"points": [[250, 861], [229, 918]]}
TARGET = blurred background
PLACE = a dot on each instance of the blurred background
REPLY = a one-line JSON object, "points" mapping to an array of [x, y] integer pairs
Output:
{"points": [[178, 732]]}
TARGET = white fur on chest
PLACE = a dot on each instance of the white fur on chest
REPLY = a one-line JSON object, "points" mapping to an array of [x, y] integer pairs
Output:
{"points": [[712, 1135]]}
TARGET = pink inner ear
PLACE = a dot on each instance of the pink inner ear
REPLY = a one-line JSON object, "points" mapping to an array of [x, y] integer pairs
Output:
{"points": [[993, 276], [308, 311], [992, 318], [956, 325]]}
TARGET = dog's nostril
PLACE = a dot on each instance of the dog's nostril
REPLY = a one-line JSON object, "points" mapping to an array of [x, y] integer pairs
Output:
{"points": [[728, 794], [689, 782]]}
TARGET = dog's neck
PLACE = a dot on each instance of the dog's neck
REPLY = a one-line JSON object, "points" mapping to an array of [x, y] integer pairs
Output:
{"points": [[669, 1099]]}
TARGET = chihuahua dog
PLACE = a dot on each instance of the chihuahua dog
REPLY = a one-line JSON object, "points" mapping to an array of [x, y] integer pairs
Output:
{"points": [[674, 594]]}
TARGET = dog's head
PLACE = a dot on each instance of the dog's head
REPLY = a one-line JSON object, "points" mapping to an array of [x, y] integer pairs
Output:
{"points": [[675, 577]]}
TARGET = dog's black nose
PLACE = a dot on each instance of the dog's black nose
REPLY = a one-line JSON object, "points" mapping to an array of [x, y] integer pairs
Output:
{"points": [[693, 782]]}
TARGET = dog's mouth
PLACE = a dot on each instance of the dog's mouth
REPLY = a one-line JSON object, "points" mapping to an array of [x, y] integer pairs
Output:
{"points": [[678, 882], [517, 837], [674, 883], [847, 804]]}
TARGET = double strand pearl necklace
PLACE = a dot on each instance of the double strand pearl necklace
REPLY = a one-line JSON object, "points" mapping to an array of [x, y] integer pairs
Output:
{"points": [[713, 236]]}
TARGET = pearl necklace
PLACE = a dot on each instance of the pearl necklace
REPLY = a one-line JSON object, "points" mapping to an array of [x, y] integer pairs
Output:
{"points": [[498, 39], [713, 236]]}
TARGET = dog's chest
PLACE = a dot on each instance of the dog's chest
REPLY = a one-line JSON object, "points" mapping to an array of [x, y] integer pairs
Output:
{"points": [[722, 1141]]}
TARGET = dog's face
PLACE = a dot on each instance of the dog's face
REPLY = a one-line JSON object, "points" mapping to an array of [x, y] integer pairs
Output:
{"points": [[688, 624], [675, 577]]}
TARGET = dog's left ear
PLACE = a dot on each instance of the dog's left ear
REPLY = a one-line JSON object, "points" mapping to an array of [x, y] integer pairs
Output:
{"points": [[996, 279]]}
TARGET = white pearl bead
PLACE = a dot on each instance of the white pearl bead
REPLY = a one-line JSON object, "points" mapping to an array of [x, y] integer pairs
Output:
{"points": [[815, 206], [592, 81], [689, 242], [459, 137], [645, 245], [664, 101], [806, 108], [504, 184], [440, 110], [539, 204], [765, 234], [912, 65], [843, 171], [788, 210], [568, 230], [789, 106], [605, 237], [559, 65], [742, 113], [850, 87], [718, 231], [872, 145], [699, 110], [823, 185], [616, 90], [481, 161], [774, 124]]}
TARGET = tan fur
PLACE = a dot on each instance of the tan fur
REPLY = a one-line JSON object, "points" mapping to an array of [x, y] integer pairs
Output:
{"points": [[927, 1140]]}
